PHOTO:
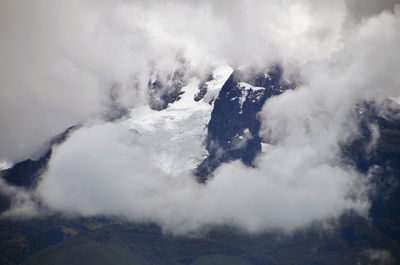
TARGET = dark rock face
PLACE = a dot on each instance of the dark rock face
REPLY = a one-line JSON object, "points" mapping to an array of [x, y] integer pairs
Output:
{"points": [[383, 160], [203, 88], [165, 92], [387, 146], [233, 131], [25, 173]]}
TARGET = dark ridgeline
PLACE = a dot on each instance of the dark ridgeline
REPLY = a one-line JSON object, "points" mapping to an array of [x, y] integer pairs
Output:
{"points": [[25, 173], [233, 130]]}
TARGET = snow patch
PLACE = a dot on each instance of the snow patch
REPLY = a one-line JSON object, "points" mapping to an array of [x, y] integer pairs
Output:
{"points": [[244, 86], [174, 136], [220, 74], [245, 89]]}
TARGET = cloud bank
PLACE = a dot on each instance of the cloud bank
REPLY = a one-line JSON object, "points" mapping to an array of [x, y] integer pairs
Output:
{"points": [[60, 60], [339, 53]]}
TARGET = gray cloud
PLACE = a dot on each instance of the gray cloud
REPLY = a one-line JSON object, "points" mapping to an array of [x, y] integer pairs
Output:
{"points": [[128, 169], [59, 61], [367, 8], [23, 204]]}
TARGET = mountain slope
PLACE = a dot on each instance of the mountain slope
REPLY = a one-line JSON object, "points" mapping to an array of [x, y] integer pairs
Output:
{"points": [[351, 242], [218, 119]]}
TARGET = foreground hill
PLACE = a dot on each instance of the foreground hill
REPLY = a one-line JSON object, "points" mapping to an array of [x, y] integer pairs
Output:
{"points": [[353, 241]]}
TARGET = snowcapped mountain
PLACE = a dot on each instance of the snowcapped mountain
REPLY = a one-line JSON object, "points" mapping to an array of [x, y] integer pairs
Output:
{"points": [[197, 126], [200, 132], [204, 124]]}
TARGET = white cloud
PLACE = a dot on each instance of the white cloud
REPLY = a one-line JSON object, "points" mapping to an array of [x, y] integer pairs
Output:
{"points": [[22, 202], [117, 168], [107, 169], [59, 60]]}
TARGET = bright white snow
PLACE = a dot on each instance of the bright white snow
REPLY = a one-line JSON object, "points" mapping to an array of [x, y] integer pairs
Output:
{"points": [[176, 134]]}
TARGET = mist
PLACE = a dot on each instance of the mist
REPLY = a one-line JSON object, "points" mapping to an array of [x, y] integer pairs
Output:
{"points": [[61, 60]]}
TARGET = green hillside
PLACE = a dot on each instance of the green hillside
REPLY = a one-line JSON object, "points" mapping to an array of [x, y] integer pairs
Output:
{"points": [[146, 244]]}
